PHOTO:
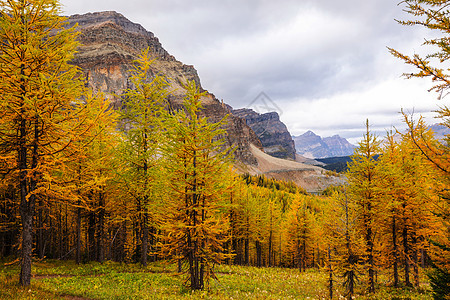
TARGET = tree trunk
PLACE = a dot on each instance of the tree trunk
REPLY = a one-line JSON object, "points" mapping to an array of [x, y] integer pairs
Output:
{"points": [[234, 248], [180, 265], [246, 252], [27, 244], [258, 254], [191, 261], [40, 225], [144, 249], [299, 255], [270, 249], [370, 261], [78, 248], [369, 251], [395, 250], [137, 238], [60, 233], [66, 240], [153, 243], [101, 228], [27, 206], [330, 272], [144, 208], [91, 237], [422, 258], [415, 260], [201, 274], [406, 250], [304, 253], [247, 243]]}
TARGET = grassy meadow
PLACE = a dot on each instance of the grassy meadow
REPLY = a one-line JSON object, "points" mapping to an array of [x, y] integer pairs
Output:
{"points": [[53, 279]]}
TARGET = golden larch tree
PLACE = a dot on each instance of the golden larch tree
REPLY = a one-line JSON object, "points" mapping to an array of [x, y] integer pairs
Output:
{"points": [[363, 188], [38, 88], [196, 170], [142, 115]]}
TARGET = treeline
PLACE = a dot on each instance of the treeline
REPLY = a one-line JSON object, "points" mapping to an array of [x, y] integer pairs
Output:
{"points": [[384, 221]]}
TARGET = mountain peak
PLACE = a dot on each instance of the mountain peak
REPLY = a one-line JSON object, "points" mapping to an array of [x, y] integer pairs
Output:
{"points": [[309, 133], [312, 145], [274, 135], [104, 17], [109, 43]]}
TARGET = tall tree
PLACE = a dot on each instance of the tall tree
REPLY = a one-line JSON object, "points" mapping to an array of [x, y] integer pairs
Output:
{"points": [[436, 153], [143, 107], [196, 168], [363, 178], [88, 170], [38, 88], [297, 231], [434, 15], [393, 191], [345, 239]]}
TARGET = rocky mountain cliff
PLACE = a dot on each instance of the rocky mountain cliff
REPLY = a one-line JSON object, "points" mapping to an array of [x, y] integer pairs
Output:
{"points": [[274, 135], [110, 43], [311, 145]]}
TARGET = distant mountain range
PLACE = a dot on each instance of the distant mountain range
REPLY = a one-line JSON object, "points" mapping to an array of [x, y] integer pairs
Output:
{"points": [[278, 142], [440, 131], [311, 145]]}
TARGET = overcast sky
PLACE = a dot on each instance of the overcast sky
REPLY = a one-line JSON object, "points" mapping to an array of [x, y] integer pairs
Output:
{"points": [[322, 64]]}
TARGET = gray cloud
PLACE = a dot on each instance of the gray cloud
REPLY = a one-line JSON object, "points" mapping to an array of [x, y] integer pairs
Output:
{"points": [[324, 62]]}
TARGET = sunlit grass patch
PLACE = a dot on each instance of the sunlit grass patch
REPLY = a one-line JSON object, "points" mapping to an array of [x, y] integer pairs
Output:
{"points": [[115, 285], [268, 283], [64, 279]]}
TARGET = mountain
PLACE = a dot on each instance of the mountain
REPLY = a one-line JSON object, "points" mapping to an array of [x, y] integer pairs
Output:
{"points": [[311, 145], [440, 131], [109, 43], [274, 135]]}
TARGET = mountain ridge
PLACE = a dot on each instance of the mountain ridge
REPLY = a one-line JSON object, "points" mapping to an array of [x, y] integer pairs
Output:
{"points": [[311, 145], [109, 44]]}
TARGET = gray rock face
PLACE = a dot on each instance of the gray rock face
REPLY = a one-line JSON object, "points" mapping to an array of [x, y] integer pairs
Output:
{"points": [[109, 43], [274, 135], [88, 19], [311, 145]]}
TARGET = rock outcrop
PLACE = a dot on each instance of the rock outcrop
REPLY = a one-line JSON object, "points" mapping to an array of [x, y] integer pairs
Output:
{"points": [[311, 145], [109, 43], [274, 135]]}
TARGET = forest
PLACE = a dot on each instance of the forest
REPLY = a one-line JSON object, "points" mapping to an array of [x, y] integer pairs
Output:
{"points": [[151, 184]]}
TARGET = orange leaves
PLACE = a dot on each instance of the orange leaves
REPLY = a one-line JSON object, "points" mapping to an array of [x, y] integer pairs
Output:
{"points": [[433, 15]]}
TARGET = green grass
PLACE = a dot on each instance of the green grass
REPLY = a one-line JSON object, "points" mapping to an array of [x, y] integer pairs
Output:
{"points": [[65, 280]]}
